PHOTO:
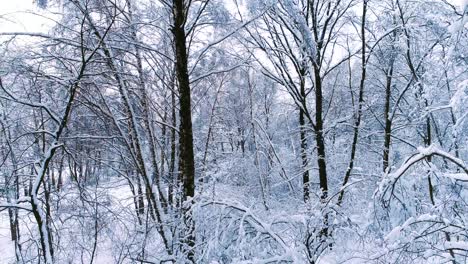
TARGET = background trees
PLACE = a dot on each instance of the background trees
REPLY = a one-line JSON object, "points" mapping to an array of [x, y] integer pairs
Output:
{"points": [[235, 132]]}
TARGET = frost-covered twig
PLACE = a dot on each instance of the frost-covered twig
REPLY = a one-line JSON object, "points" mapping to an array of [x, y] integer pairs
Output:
{"points": [[422, 154]]}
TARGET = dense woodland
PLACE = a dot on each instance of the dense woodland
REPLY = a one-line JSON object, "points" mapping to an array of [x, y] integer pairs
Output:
{"points": [[235, 131]]}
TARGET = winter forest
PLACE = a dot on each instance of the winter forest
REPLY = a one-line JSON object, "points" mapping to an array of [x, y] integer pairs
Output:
{"points": [[234, 131]]}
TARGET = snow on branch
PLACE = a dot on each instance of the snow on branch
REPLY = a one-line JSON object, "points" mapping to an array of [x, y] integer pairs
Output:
{"points": [[423, 153], [290, 253], [4, 206]]}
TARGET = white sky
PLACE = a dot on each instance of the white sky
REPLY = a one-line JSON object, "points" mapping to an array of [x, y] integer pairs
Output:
{"points": [[16, 15]]}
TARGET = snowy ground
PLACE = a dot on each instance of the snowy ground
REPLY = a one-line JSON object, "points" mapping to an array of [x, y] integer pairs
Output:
{"points": [[7, 251]]}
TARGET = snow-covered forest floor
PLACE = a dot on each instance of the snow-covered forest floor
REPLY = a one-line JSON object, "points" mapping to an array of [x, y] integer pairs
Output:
{"points": [[355, 239]]}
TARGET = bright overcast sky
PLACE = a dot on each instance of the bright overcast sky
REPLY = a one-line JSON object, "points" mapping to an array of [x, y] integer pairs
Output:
{"points": [[16, 15]]}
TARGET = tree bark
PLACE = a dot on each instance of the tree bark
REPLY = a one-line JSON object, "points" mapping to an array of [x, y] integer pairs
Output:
{"points": [[388, 121], [186, 156], [303, 138], [357, 122], [319, 136]]}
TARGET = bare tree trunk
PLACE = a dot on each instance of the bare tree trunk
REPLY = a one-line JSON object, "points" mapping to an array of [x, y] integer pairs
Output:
{"points": [[13, 179], [155, 177], [257, 158], [209, 135], [186, 156], [319, 135], [428, 133], [305, 162], [320, 142], [173, 180], [60, 172], [357, 121], [388, 121]]}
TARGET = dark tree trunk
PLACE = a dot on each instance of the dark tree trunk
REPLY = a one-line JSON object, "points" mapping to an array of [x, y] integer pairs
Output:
{"points": [[320, 142], [319, 135], [388, 121], [186, 156], [357, 121], [173, 182], [305, 163], [303, 138]]}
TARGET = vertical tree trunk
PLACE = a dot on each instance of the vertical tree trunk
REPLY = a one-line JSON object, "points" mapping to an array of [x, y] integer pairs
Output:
{"points": [[427, 138], [60, 172], [11, 180], [320, 142], [173, 182], [303, 138], [357, 122], [388, 122], [305, 163], [388, 98], [16, 223], [319, 136], [186, 156], [255, 146]]}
